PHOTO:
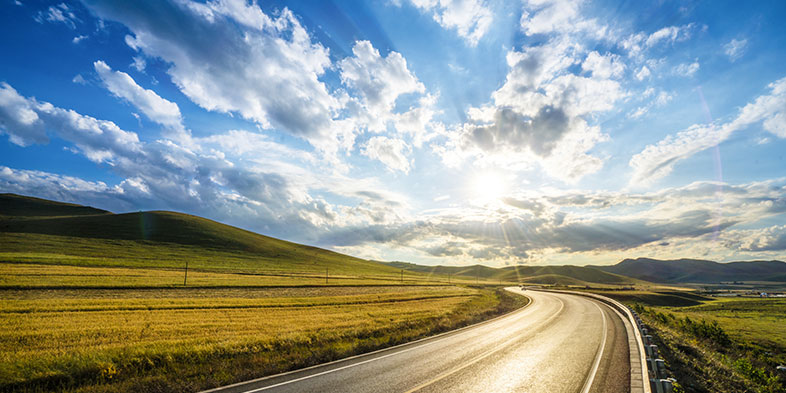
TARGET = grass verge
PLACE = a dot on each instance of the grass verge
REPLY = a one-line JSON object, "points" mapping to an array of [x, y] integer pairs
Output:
{"points": [[716, 345]]}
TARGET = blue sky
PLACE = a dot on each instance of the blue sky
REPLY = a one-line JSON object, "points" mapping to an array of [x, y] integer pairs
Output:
{"points": [[431, 131]]}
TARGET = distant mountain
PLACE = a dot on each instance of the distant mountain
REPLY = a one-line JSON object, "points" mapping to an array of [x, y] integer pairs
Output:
{"points": [[697, 270], [562, 275]]}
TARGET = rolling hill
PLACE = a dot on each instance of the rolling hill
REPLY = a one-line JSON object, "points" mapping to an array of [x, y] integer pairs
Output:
{"points": [[561, 275], [43, 226], [12, 205], [697, 271]]}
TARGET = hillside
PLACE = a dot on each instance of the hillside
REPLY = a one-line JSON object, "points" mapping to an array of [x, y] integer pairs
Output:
{"points": [[562, 275], [12, 205], [43, 226], [698, 271]]}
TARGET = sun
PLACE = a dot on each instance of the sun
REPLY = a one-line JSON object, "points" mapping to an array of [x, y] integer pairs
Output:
{"points": [[488, 186]]}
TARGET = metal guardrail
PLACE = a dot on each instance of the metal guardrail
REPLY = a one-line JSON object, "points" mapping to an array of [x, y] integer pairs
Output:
{"points": [[655, 365]]}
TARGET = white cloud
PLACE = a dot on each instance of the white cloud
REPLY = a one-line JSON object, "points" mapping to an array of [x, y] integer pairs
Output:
{"points": [[157, 109], [26, 121], [764, 239], [658, 160], [669, 35], [78, 39], [79, 79], [263, 68], [19, 119], [470, 18], [735, 49], [603, 66], [687, 70], [379, 82], [643, 73], [662, 99], [139, 63], [537, 116], [388, 151], [560, 16], [60, 13]]}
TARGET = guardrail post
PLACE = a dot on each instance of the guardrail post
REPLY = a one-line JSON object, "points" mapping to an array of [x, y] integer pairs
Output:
{"points": [[652, 350], [661, 385]]}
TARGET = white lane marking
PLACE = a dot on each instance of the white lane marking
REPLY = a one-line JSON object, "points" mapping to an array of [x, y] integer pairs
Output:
{"points": [[485, 355], [598, 356], [358, 363]]}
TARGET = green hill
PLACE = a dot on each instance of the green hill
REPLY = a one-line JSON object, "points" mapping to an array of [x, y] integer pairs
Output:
{"points": [[50, 229], [554, 279], [12, 205], [562, 275]]}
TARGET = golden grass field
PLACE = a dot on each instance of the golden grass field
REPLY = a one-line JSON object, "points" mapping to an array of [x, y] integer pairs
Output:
{"points": [[130, 336]]}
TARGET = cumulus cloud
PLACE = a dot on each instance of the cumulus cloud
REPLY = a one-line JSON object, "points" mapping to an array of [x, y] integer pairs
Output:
{"points": [[19, 118], [267, 69], [643, 73], [658, 160], [563, 16], [121, 85], [26, 121], [230, 57], [686, 69], [139, 63], [603, 66], [60, 13], [390, 152], [379, 81], [735, 49], [764, 239], [538, 115], [470, 18]]}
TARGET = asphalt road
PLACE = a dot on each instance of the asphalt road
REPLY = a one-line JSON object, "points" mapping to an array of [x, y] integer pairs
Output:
{"points": [[558, 343]]}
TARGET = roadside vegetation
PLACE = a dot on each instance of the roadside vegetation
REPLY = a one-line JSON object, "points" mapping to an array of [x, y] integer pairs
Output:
{"points": [[716, 345]]}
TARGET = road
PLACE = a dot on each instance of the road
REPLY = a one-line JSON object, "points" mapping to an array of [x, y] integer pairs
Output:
{"points": [[558, 343]]}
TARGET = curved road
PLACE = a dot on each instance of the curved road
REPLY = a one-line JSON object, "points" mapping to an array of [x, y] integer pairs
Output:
{"points": [[558, 343]]}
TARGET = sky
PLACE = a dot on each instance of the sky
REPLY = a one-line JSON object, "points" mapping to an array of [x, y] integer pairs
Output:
{"points": [[454, 132]]}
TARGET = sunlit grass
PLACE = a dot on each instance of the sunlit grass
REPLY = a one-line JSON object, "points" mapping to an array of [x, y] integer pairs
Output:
{"points": [[105, 340], [716, 344]]}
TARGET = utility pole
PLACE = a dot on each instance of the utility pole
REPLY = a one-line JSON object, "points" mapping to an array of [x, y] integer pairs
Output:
{"points": [[476, 274], [185, 277], [448, 278], [326, 275], [402, 276]]}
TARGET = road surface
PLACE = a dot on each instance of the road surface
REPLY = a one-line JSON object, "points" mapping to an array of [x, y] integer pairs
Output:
{"points": [[558, 343]]}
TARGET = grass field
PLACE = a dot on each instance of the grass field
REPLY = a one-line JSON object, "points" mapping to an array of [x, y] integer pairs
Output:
{"points": [[187, 339], [716, 344]]}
